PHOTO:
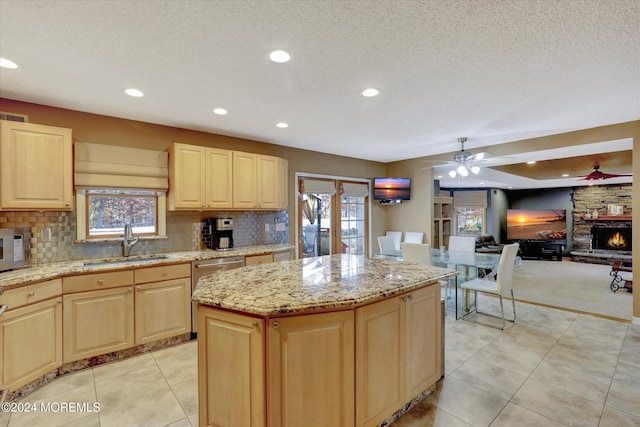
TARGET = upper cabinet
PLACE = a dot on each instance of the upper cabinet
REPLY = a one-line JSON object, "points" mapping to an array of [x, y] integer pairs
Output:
{"points": [[35, 167], [204, 178]]}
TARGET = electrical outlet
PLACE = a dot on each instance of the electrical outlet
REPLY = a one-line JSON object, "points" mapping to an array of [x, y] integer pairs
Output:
{"points": [[46, 234], [266, 227], [280, 226]]}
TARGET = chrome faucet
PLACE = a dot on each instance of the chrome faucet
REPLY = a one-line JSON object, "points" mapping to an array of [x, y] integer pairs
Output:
{"points": [[128, 242]]}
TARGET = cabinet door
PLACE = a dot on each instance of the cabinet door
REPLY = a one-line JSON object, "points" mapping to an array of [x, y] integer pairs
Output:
{"points": [[268, 176], [97, 322], [282, 256], [35, 168], [219, 178], [283, 184], [380, 364], [186, 177], [310, 369], [245, 181], [162, 310], [231, 363], [423, 323], [30, 342]]}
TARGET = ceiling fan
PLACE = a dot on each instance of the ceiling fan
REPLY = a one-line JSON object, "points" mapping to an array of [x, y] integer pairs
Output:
{"points": [[596, 174], [464, 162]]}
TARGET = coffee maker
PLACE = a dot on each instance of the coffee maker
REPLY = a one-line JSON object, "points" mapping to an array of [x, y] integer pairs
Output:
{"points": [[220, 233]]}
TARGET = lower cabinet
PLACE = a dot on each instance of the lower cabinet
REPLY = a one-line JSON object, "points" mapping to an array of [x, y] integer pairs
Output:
{"points": [[97, 322], [397, 352], [30, 342], [258, 259], [163, 309], [310, 370], [231, 369]]}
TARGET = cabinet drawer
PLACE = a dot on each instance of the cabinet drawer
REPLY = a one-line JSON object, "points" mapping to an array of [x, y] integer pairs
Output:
{"points": [[95, 281], [258, 259], [165, 272], [32, 293]]}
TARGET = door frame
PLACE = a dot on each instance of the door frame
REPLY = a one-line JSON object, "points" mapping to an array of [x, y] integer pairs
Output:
{"points": [[298, 237]]}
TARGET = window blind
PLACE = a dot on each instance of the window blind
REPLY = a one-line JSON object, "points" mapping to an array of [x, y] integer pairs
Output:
{"points": [[98, 165], [356, 190], [316, 186], [475, 199]]}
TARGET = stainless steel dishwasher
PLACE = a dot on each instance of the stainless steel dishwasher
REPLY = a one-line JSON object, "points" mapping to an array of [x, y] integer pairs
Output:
{"points": [[206, 267]]}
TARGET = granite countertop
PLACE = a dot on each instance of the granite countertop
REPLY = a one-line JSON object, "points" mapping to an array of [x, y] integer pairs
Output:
{"points": [[313, 284], [34, 274]]}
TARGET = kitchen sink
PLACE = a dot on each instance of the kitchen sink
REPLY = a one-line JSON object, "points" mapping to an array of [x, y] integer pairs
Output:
{"points": [[123, 261]]}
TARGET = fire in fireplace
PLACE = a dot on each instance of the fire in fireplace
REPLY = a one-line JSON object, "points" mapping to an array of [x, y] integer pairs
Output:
{"points": [[611, 238]]}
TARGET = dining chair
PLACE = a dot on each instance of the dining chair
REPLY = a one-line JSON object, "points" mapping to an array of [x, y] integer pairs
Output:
{"points": [[413, 237], [462, 244], [497, 283], [416, 252], [397, 238], [386, 244]]}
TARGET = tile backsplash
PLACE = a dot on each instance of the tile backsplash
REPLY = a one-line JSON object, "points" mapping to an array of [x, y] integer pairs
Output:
{"points": [[184, 233]]}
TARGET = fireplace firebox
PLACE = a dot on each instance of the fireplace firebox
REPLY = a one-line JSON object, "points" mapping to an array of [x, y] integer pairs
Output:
{"points": [[611, 238]]}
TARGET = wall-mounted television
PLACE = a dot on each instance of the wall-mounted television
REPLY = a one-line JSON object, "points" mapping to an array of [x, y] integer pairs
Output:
{"points": [[391, 189], [536, 224]]}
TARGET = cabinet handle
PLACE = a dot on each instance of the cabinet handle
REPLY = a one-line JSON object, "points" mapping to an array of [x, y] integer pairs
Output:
{"points": [[32, 293], [276, 325], [410, 296], [255, 324], [130, 290], [100, 282], [3, 308], [66, 205]]}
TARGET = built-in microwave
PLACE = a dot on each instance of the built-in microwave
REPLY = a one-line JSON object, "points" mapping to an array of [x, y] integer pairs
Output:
{"points": [[14, 244]]}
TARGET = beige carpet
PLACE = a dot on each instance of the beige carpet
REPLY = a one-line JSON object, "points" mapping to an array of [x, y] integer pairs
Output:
{"points": [[572, 285]]}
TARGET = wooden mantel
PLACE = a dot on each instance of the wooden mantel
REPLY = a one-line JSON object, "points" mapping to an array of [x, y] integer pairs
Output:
{"points": [[608, 218]]}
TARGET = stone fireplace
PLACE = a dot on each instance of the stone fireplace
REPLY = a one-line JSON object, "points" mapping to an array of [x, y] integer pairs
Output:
{"points": [[601, 239]]}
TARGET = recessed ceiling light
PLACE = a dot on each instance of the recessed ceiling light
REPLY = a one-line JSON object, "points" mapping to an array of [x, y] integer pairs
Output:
{"points": [[564, 175], [6, 63], [134, 92], [509, 187], [282, 125], [532, 162], [279, 56], [220, 111], [439, 176], [370, 92]]}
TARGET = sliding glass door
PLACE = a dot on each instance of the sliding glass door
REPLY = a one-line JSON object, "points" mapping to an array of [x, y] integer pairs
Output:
{"points": [[332, 217]]}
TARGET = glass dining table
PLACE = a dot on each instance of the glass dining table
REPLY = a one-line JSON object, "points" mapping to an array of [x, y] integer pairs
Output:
{"points": [[470, 265]]}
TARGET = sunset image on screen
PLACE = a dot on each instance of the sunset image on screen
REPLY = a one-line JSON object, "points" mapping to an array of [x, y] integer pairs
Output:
{"points": [[392, 188], [545, 224]]}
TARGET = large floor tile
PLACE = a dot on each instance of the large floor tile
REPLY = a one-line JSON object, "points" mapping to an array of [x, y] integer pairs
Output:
{"points": [[426, 414], [470, 404], [122, 367], [128, 387], [62, 385], [613, 418], [178, 363], [187, 394], [514, 415], [157, 408], [489, 377], [517, 358], [558, 404], [628, 375], [588, 362]]}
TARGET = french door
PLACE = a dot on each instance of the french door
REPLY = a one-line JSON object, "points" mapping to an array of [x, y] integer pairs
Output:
{"points": [[333, 216]]}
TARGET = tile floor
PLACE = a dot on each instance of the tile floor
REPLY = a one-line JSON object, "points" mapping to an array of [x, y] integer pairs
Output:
{"points": [[552, 368]]}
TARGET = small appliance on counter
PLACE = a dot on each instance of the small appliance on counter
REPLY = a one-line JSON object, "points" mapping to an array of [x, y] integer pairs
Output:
{"points": [[218, 233], [14, 247]]}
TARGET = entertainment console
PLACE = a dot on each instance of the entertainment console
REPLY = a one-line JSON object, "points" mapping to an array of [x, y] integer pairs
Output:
{"points": [[541, 249]]}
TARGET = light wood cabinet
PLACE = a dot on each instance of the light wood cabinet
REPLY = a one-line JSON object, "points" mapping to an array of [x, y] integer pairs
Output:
{"points": [[162, 308], [202, 178], [398, 352], [310, 370], [442, 221], [35, 167], [30, 333], [97, 322], [258, 259], [231, 369]]}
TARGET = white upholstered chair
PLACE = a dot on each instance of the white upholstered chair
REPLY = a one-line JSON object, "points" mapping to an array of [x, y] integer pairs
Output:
{"points": [[397, 238], [462, 244], [386, 244], [416, 252], [498, 283], [413, 237]]}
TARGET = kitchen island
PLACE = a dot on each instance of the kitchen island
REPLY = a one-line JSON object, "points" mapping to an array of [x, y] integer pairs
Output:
{"points": [[336, 340]]}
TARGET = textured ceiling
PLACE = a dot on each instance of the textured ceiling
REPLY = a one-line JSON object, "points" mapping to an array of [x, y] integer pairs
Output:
{"points": [[493, 71]]}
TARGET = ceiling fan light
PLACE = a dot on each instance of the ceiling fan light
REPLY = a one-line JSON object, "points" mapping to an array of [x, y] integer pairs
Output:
{"points": [[475, 170], [462, 170], [452, 173]]}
